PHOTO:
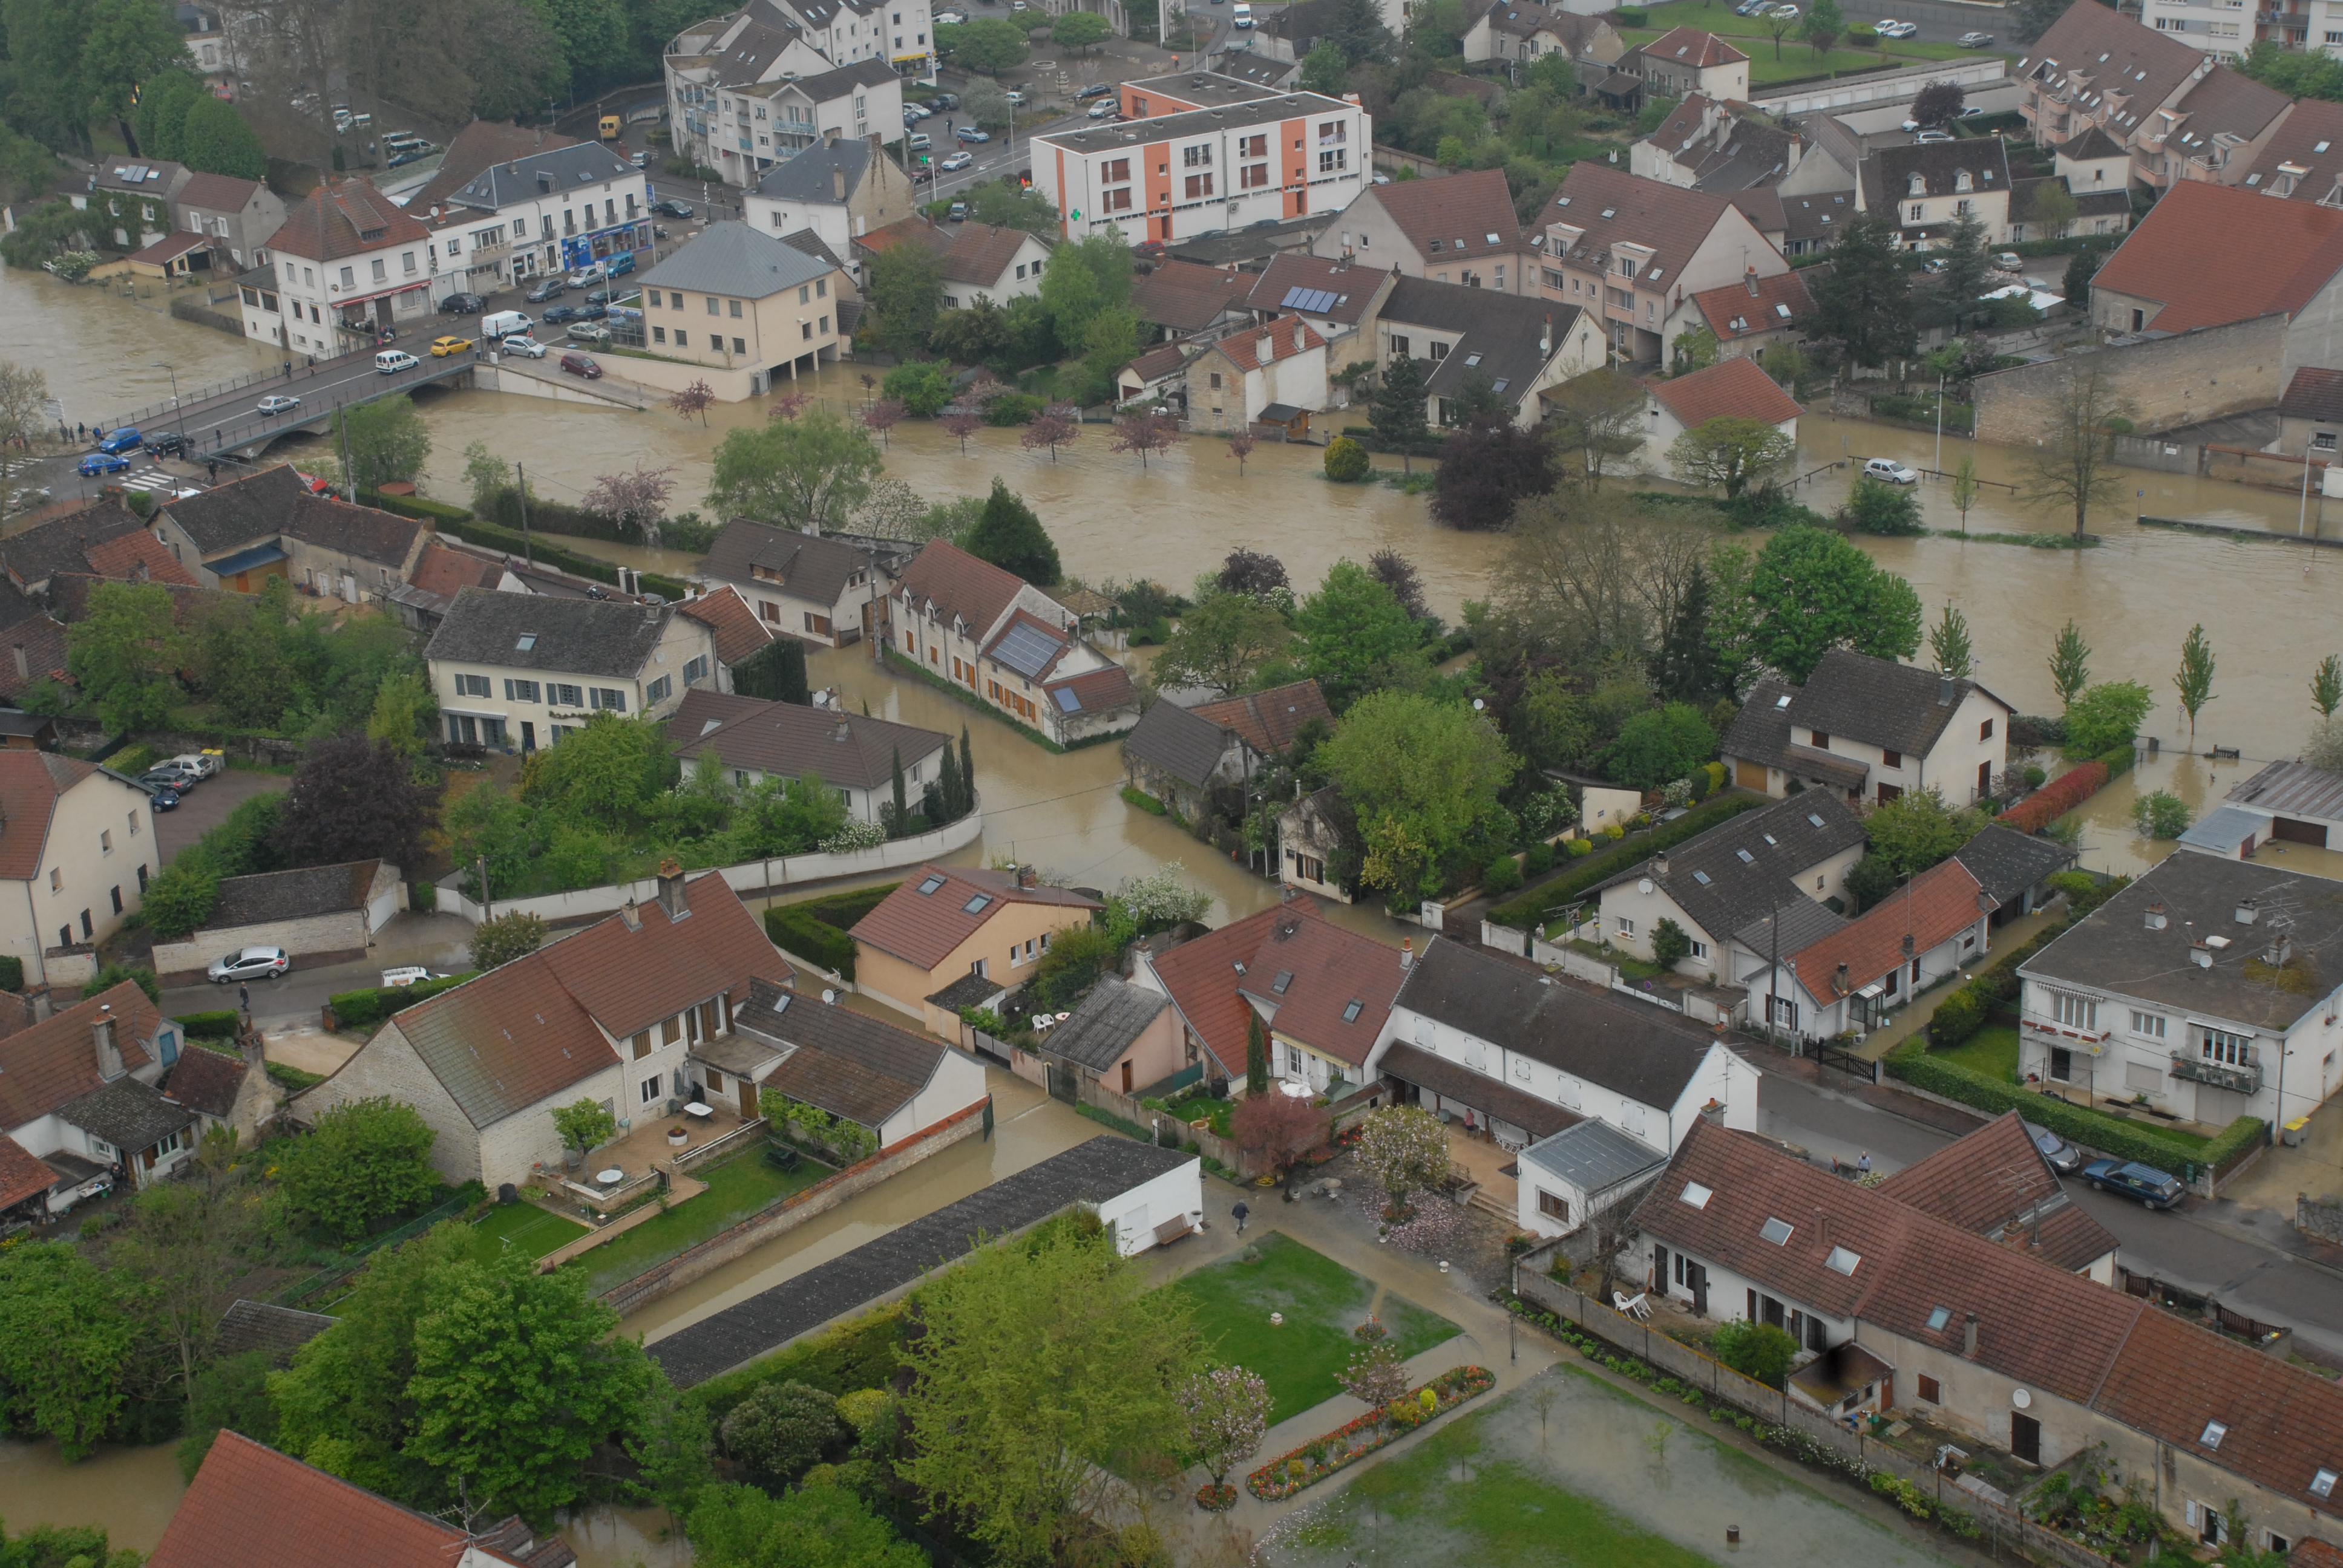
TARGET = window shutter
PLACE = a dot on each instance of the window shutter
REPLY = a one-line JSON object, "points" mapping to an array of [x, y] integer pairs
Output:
{"points": [[2193, 1520]]}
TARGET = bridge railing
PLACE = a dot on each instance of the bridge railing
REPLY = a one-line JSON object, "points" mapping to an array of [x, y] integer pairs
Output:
{"points": [[425, 369]]}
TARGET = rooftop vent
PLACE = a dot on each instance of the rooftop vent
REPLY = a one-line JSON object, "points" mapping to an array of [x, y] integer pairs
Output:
{"points": [[2200, 955], [1695, 1194], [2248, 910]]}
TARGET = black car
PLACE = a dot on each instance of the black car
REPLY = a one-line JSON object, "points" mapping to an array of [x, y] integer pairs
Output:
{"points": [[671, 208], [464, 305], [167, 446], [1097, 90], [591, 313], [560, 313], [2156, 1189], [551, 288], [165, 799], [952, 100], [599, 297]]}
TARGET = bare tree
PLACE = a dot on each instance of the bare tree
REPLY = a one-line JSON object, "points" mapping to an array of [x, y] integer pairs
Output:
{"points": [[1141, 432], [2074, 463], [640, 497], [1241, 446], [23, 392], [1053, 429], [1572, 576], [883, 416], [963, 423], [1613, 1227], [693, 399], [1598, 415]]}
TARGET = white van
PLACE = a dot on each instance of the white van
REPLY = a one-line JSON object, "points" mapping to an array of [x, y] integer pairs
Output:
{"points": [[1241, 16], [391, 361], [504, 323]]}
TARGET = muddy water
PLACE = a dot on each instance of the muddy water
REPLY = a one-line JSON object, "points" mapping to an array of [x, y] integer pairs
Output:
{"points": [[131, 1492], [97, 347]]}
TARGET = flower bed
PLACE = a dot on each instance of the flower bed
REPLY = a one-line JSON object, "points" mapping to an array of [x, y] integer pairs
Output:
{"points": [[1314, 1461], [1216, 1497]]}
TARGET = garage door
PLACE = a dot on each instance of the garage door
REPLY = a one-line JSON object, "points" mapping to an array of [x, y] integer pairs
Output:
{"points": [[2299, 832], [1750, 775]]}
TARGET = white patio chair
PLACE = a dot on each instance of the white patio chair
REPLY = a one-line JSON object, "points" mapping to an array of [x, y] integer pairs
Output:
{"points": [[1636, 1306]]}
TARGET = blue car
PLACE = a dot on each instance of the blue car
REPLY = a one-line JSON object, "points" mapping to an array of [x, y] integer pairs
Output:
{"points": [[164, 799], [125, 439], [591, 313], [2156, 1189], [560, 313], [98, 463]]}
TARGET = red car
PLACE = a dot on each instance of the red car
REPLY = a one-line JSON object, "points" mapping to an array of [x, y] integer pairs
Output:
{"points": [[579, 365]]}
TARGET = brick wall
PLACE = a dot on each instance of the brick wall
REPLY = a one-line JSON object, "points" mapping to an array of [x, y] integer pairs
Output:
{"points": [[2172, 381], [319, 940]]}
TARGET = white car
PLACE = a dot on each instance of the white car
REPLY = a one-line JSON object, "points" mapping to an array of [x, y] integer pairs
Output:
{"points": [[202, 764], [278, 402], [957, 161], [1103, 110], [1890, 470], [1016, 97], [1896, 29], [2008, 261], [528, 347], [406, 975], [586, 277], [252, 963], [951, 19]]}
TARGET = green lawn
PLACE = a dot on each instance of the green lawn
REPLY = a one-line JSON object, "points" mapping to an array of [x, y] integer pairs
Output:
{"points": [[737, 1188], [1991, 1050], [524, 1228], [1321, 1301]]}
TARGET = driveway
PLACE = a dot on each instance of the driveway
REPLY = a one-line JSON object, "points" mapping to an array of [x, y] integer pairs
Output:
{"points": [[208, 805], [441, 943]]}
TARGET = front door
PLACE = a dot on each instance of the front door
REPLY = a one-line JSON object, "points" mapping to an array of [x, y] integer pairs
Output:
{"points": [[749, 1100], [1126, 1078], [528, 736], [2062, 1064], [2026, 1438], [1697, 1277]]}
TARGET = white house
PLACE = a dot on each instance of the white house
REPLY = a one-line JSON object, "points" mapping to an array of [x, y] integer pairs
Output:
{"points": [[810, 587], [840, 189], [1730, 388], [1512, 346], [520, 671], [888, 1080], [349, 264], [759, 742], [1871, 728], [1579, 1172], [2200, 987], [77, 1090], [1852, 977], [76, 847], [749, 89], [1275, 372], [560, 210], [1497, 1043]]}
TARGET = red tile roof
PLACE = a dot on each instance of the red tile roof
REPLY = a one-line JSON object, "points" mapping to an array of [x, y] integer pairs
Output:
{"points": [[1351, 289], [957, 583], [2313, 394], [43, 641], [1673, 221], [1690, 46], [1269, 721], [1096, 690], [1734, 312], [1287, 337], [1459, 211], [629, 978], [906, 231], [344, 219], [1734, 387], [2181, 256], [1187, 297], [22, 1176], [1994, 1182], [2313, 1553], [138, 556], [923, 928], [253, 1507], [30, 784], [1933, 907], [55, 1061], [738, 632], [207, 1081], [1340, 987], [981, 253], [443, 569], [1201, 976]]}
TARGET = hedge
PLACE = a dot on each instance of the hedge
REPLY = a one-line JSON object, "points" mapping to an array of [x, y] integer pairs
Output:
{"points": [[416, 506], [816, 929], [1531, 907], [220, 1025], [12, 972], [489, 536], [2110, 1136], [2118, 761], [2057, 797], [861, 1352], [372, 1004]]}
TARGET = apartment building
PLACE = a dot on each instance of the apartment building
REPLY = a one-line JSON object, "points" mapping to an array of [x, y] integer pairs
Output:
{"points": [[738, 299], [561, 210], [747, 90], [1460, 228], [2179, 112], [347, 264], [1175, 177]]}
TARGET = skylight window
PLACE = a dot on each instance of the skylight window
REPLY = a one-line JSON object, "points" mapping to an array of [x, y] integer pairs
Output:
{"points": [[1783, 311], [1700, 876], [1777, 1231], [1816, 821], [1783, 700], [1472, 359], [1695, 1194], [528, 641], [1492, 239], [1284, 977], [2213, 1434], [2323, 1484], [1939, 1318], [976, 905], [1610, 212], [1769, 839], [931, 884], [1744, 857], [2321, 146], [1351, 1010], [1843, 1260]]}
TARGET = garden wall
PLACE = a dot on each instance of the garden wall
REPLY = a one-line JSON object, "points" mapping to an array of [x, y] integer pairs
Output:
{"points": [[750, 878], [1208, 1143], [2170, 381], [1885, 88], [796, 1209]]}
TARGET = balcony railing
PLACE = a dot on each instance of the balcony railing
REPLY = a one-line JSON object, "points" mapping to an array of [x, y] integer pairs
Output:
{"points": [[2246, 1080]]}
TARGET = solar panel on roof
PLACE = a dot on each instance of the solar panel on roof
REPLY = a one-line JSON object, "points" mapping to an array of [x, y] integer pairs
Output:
{"points": [[1027, 649], [1067, 701], [1300, 298]]}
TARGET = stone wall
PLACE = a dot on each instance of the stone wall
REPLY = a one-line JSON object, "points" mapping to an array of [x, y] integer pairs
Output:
{"points": [[328, 939], [2169, 381]]}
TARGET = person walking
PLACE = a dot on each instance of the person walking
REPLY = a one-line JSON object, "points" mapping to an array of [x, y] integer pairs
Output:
{"points": [[1241, 1213], [244, 1001], [1863, 1163], [213, 469]]}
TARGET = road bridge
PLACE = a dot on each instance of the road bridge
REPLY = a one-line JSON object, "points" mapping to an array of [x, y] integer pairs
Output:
{"points": [[225, 421]]}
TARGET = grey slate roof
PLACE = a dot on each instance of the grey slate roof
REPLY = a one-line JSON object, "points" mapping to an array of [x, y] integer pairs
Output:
{"points": [[129, 1114], [1888, 172], [846, 1062], [292, 895], [573, 635], [1501, 330], [1629, 1047], [806, 177], [1452, 1080], [812, 244], [583, 164], [1711, 881], [734, 259], [1091, 1172], [40, 552], [789, 740], [1761, 732], [1104, 1027], [845, 79], [812, 566], [2113, 950], [1803, 923], [1878, 701], [2293, 789], [1595, 1156], [2005, 862], [238, 512], [1169, 736], [250, 1325]]}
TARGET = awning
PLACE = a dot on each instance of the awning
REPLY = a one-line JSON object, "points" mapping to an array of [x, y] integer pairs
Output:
{"points": [[1874, 991], [1454, 1081], [1844, 1370], [245, 560]]}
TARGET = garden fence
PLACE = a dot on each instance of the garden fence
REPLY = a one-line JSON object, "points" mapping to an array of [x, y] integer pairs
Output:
{"points": [[1714, 1378], [747, 1132], [1211, 1144]]}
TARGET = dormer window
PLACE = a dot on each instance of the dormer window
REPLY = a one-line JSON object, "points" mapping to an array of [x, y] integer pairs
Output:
{"points": [[1961, 180], [1919, 185]]}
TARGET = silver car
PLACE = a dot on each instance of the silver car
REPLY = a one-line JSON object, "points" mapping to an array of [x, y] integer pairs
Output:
{"points": [[252, 963], [528, 347]]}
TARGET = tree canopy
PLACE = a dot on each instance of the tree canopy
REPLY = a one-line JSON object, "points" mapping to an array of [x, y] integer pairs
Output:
{"points": [[1814, 591], [811, 472], [1009, 535], [1423, 776], [1222, 643], [356, 799], [1356, 635]]}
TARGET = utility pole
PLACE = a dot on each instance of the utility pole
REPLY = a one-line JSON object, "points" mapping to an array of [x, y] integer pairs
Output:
{"points": [[526, 554], [488, 911], [349, 478]]}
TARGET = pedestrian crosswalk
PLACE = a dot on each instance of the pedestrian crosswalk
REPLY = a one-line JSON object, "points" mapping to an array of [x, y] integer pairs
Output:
{"points": [[152, 478]]}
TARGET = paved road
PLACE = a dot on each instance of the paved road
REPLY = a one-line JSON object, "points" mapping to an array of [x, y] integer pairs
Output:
{"points": [[233, 418], [439, 943], [2209, 1248]]}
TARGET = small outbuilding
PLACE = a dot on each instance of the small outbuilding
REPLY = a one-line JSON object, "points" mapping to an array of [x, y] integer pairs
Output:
{"points": [[1578, 1173], [1123, 1036], [318, 915]]}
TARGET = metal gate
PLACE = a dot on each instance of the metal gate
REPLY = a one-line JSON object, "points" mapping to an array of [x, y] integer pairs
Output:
{"points": [[1832, 1057], [1065, 1084]]}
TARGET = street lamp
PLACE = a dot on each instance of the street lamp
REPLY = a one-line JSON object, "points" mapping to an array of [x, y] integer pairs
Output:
{"points": [[158, 365]]}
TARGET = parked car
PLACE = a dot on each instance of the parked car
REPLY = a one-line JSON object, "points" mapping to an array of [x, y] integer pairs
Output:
{"points": [[2063, 1157], [1975, 40], [951, 19], [400, 160], [917, 111], [504, 323], [253, 963], [1890, 470], [1379, 178], [1105, 111], [406, 975], [551, 288], [1751, 7], [171, 779], [560, 313], [1929, 138], [592, 312], [671, 207], [1017, 98], [121, 438], [918, 141], [945, 101], [443, 346], [98, 463], [171, 446], [585, 276], [1095, 90], [278, 402], [969, 135], [2156, 1189], [959, 212], [640, 159], [525, 346], [163, 797], [579, 365], [464, 305], [589, 332], [1935, 264], [2008, 261], [1892, 29], [195, 764], [957, 161]]}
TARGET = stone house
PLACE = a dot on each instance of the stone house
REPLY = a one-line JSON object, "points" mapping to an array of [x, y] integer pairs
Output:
{"points": [[1186, 756], [1314, 834], [1523, 31], [759, 742], [235, 217], [523, 670], [77, 1090], [239, 534], [1872, 728], [1272, 373], [318, 915], [611, 1014], [947, 921], [129, 201], [891, 1082], [224, 1086], [810, 587]]}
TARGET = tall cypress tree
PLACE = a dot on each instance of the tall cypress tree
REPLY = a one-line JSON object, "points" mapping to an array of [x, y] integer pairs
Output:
{"points": [[967, 775], [1397, 412], [1256, 1055], [946, 786], [902, 805]]}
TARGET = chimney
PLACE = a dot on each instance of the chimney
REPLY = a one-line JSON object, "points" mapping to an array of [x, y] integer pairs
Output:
{"points": [[1944, 690], [2156, 921], [1968, 1336], [109, 1055], [837, 182], [844, 731], [632, 916], [1752, 281], [1406, 952], [829, 137], [2280, 949], [1267, 348], [1027, 877], [2200, 955], [670, 890], [1714, 1112], [1660, 864], [1907, 944], [1840, 981], [2248, 910]]}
